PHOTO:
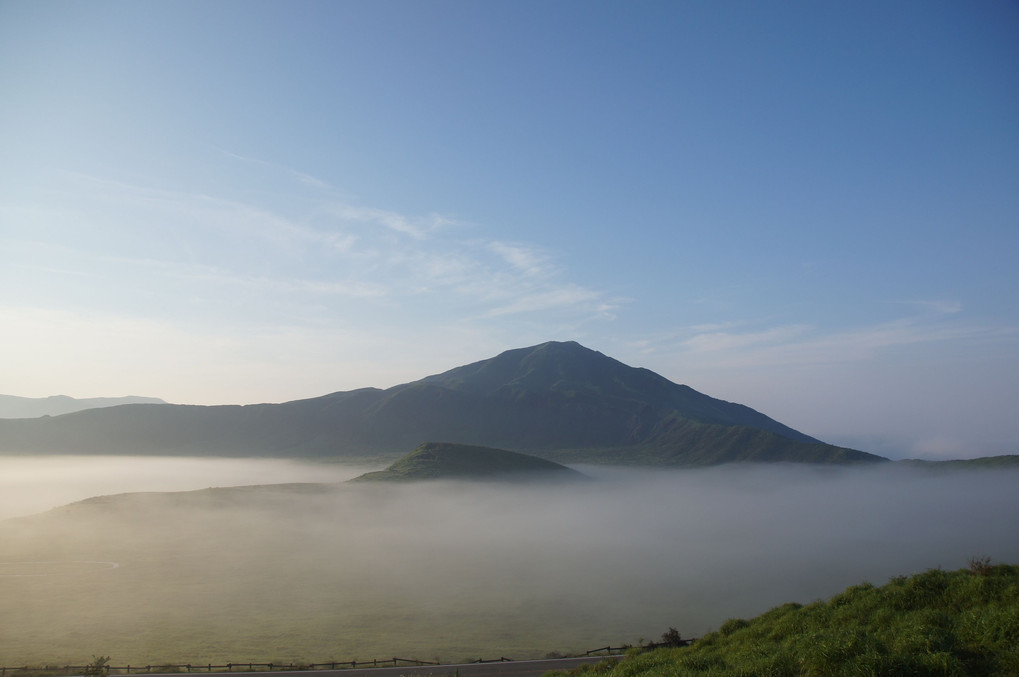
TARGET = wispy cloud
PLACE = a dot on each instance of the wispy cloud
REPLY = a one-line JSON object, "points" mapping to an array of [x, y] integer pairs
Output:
{"points": [[711, 340], [566, 296], [307, 179], [800, 344], [526, 259], [416, 227], [251, 256]]}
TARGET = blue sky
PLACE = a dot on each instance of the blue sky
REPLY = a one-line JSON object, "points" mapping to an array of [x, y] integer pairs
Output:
{"points": [[809, 208]]}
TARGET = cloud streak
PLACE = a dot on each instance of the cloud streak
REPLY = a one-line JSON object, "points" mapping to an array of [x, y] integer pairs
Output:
{"points": [[802, 344], [335, 248]]}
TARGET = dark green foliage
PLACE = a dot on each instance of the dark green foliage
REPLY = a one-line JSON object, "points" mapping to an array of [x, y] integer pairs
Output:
{"points": [[672, 638], [935, 623], [558, 400]]}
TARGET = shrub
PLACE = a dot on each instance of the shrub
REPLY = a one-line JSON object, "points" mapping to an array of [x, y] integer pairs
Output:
{"points": [[99, 667], [980, 566]]}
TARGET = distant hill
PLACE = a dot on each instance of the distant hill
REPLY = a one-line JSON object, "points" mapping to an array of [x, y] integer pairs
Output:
{"points": [[12, 406], [982, 463], [559, 401], [437, 460]]}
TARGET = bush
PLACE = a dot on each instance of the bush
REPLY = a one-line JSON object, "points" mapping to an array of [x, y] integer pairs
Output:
{"points": [[980, 566], [99, 667]]}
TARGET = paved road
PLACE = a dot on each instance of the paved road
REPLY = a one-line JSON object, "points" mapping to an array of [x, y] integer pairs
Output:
{"points": [[534, 668]]}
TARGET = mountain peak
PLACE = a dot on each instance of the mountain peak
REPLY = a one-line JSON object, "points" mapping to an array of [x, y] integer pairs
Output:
{"points": [[546, 365]]}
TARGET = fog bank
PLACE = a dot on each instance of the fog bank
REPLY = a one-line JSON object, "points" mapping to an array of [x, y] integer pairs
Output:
{"points": [[460, 570], [30, 484]]}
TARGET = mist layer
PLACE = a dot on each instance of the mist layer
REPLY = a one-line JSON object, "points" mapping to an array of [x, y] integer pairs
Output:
{"points": [[459, 570]]}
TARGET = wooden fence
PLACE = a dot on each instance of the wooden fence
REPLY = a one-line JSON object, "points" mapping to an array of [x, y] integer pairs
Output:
{"points": [[262, 667], [229, 667]]}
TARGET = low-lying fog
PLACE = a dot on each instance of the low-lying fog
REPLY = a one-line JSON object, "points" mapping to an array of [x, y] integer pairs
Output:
{"points": [[33, 484], [456, 570]]}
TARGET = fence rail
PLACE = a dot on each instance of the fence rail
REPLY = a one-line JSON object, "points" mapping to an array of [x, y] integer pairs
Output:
{"points": [[249, 666], [228, 667]]}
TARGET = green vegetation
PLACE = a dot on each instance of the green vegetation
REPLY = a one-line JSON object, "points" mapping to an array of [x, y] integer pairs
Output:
{"points": [[436, 460], [962, 622], [983, 463]]}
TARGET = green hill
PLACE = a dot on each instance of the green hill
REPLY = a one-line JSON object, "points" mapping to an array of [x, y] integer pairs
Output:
{"points": [[436, 460], [560, 401], [982, 463], [957, 623]]}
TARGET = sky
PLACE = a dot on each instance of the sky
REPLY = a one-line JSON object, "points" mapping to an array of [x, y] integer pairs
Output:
{"points": [[808, 208]]}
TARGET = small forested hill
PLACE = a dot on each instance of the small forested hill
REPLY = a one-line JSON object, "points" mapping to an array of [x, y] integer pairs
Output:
{"points": [[556, 400], [959, 623], [436, 460]]}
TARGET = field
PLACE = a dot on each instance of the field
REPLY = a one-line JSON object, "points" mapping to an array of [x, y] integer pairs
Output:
{"points": [[453, 571]]}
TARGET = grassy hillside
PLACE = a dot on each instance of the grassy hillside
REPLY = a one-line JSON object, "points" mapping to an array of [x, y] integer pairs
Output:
{"points": [[438, 460], [961, 623]]}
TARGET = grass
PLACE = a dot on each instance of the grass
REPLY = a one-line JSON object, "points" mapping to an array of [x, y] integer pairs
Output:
{"points": [[942, 623]]}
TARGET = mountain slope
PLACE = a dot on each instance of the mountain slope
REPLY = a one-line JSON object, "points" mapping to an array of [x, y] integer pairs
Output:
{"points": [[555, 400]]}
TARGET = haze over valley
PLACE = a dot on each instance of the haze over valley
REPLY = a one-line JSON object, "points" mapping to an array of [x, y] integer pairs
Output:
{"points": [[461, 570]]}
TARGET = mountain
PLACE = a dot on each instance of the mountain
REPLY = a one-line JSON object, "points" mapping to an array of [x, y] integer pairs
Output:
{"points": [[438, 460], [560, 401], [12, 406]]}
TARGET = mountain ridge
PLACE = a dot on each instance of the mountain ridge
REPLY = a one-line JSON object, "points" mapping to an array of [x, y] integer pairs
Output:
{"points": [[13, 406], [556, 400]]}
